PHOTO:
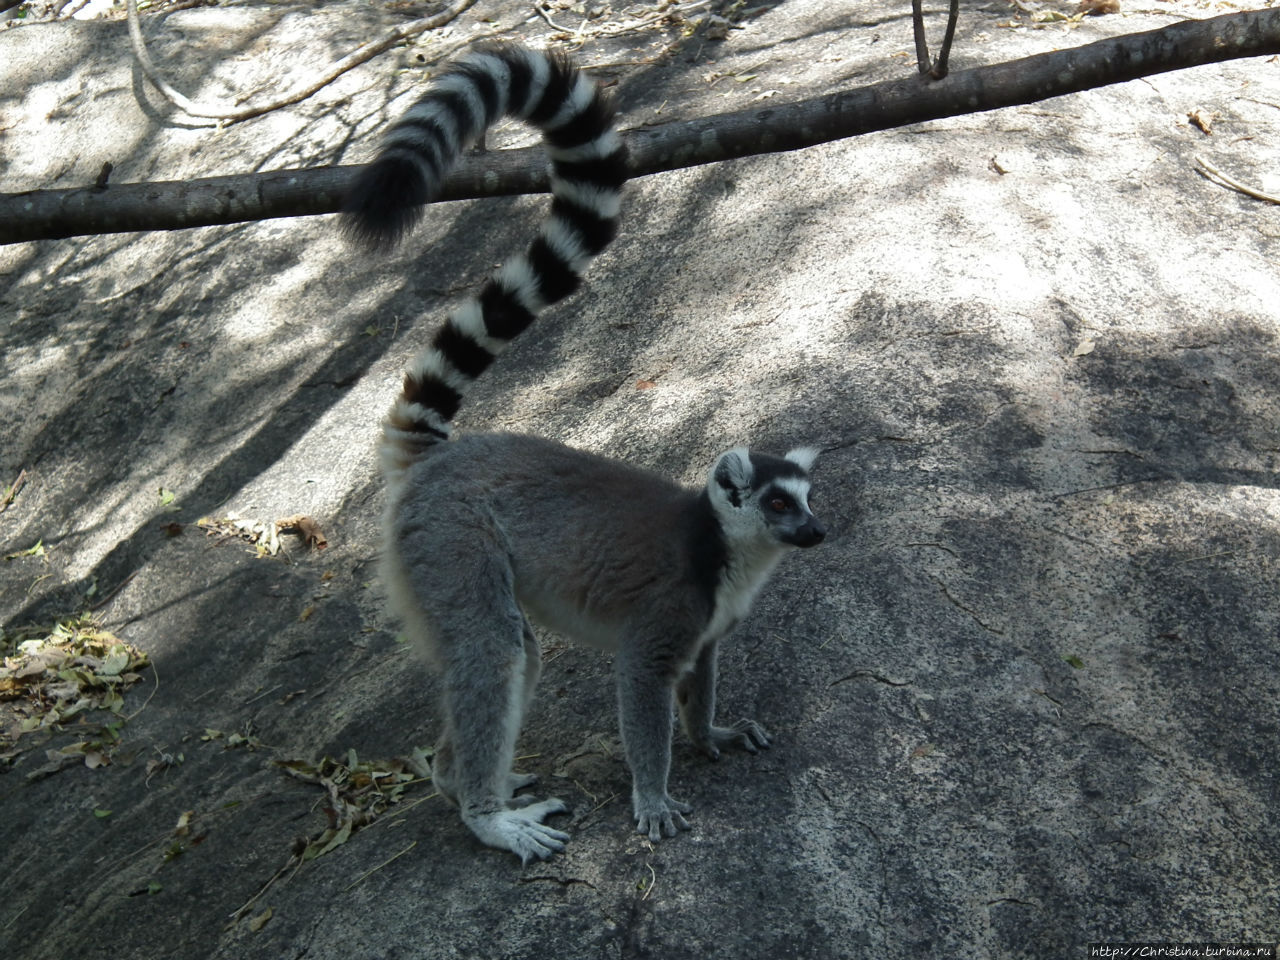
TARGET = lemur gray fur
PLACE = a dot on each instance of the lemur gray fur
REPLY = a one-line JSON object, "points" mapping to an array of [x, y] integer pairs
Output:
{"points": [[488, 531]]}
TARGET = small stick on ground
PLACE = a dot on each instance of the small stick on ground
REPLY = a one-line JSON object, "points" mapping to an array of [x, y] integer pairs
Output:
{"points": [[1212, 173], [361, 54], [364, 876], [11, 491]]}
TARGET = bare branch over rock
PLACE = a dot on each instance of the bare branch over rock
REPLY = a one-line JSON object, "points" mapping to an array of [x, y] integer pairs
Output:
{"points": [[50, 214]]}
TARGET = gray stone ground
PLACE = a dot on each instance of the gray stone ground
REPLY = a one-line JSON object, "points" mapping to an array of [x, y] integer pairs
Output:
{"points": [[1025, 697]]}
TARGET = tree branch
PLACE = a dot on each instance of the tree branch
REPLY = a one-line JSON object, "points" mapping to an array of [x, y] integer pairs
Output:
{"points": [[936, 70], [47, 214]]}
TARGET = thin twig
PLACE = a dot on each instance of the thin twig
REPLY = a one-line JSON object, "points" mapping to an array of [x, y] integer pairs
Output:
{"points": [[264, 693], [403, 808], [239, 915], [603, 803], [14, 918], [11, 491], [112, 595], [936, 69], [155, 673], [1208, 556], [653, 881], [176, 5], [621, 28], [537, 8], [672, 12], [361, 54], [940, 66], [1210, 172], [917, 28], [365, 876]]}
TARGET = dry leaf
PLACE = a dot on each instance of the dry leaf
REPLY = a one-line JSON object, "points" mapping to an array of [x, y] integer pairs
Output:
{"points": [[645, 384], [261, 535], [306, 528], [116, 661], [1083, 348], [1201, 122]]}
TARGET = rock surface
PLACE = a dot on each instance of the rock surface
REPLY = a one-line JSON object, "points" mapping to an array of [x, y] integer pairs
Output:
{"points": [[1024, 698]]}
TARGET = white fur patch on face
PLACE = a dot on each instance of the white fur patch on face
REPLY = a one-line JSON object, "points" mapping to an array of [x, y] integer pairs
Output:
{"points": [[803, 457], [739, 526], [796, 487]]}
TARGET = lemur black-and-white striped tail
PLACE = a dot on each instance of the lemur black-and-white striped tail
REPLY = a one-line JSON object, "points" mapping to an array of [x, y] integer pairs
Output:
{"points": [[588, 168]]}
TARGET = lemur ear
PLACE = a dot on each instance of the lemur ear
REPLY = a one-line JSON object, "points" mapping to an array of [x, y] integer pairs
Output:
{"points": [[733, 473], [803, 457]]}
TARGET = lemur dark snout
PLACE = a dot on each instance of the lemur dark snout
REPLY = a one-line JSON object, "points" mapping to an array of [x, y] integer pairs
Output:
{"points": [[816, 534]]}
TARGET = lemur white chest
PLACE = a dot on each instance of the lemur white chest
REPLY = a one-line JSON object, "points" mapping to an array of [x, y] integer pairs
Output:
{"points": [[740, 584]]}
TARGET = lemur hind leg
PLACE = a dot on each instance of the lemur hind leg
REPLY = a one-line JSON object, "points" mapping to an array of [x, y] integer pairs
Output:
{"points": [[484, 697], [489, 662], [442, 766], [532, 671]]}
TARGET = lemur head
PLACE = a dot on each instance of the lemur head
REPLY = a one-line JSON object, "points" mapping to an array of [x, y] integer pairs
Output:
{"points": [[764, 499]]}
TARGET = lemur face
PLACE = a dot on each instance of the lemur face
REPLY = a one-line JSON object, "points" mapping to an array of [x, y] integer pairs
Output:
{"points": [[764, 498]]}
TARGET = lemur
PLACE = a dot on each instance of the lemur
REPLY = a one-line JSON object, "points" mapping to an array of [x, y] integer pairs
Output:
{"points": [[489, 531]]}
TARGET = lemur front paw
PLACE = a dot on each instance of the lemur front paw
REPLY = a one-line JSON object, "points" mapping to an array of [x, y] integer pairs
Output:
{"points": [[746, 734], [662, 817]]}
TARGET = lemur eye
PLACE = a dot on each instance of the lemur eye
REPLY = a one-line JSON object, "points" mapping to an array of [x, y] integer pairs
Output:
{"points": [[779, 505]]}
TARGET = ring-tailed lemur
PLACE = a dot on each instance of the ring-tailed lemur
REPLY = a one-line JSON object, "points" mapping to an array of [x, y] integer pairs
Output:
{"points": [[485, 529]]}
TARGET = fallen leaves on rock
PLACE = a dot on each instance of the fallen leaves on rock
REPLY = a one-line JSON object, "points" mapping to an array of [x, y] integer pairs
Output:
{"points": [[53, 676], [358, 792], [264, 534]]}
